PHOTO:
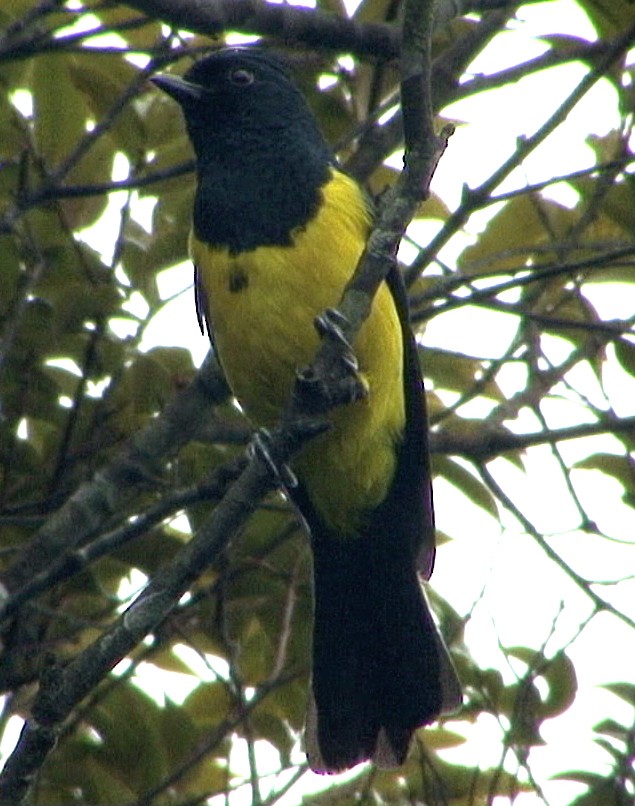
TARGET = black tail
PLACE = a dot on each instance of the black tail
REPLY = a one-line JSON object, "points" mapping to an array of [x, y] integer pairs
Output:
{"points": [[380, 669]]}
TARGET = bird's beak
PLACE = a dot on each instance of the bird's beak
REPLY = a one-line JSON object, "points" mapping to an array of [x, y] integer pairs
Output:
{"points": [[182, 91]]}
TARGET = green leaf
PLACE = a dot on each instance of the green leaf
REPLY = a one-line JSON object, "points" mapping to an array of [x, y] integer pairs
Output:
{"points": [[256, 656], [626, 691], [271, 728], [440, 738], [209, 704], [10, 274], [609, 727], [143, 37], [165, 130], [458, 373], [523, 700], [102, 85], [619, 204], [150, 551], [170, 227], [625, 353], [59, 111], [74, 767], [95, 167], [372, 10], [288, 703], [332, 110], [120, 719], [603, 792], [609, 17], [471, 486], [618, 467], [197, 774], [44, 437], [562, 680], [12, 137], [153, 378], [76, 307], [510, 237]]}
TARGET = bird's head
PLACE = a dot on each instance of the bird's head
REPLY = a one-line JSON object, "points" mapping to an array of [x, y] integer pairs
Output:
{"points": [[241, 94]]}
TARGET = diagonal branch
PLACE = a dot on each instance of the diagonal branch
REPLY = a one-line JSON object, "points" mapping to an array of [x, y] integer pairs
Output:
{"points": [[62, 689], [475, 199], [583, 584], [99, 499], [288, 24], [490, 442]]}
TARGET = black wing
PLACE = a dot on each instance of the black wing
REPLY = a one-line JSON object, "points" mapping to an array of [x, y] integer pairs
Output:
{"points": [[411, 490], [202, 310]]}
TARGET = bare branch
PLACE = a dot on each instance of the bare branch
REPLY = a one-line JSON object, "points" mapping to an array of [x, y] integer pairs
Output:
{"points": [[113, 486], [289, 24], [474, 199], [490, 442]]}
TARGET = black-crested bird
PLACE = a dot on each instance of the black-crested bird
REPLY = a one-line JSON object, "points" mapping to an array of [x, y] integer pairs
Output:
{"points": [[278, 230]]}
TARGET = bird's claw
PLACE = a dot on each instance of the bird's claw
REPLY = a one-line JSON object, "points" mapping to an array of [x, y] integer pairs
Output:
{"points": [[281, 471], [335, 380], [330, 325]]}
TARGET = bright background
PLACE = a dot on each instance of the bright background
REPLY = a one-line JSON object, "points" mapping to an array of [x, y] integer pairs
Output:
{"points": [[514, 593], [503, 578]]}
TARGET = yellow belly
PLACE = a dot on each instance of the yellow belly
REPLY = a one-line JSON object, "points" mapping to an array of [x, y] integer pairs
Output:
{"points": [[261, 306]]}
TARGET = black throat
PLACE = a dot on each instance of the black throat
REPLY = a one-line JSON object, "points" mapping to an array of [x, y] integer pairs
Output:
{"points": [[261, 158], [255, 190]]}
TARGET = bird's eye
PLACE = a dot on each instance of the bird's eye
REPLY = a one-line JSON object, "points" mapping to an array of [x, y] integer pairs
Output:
{"points": [[241, 77]]}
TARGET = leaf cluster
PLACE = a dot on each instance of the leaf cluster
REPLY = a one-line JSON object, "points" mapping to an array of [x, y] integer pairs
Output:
{"points": [[113, 454]]}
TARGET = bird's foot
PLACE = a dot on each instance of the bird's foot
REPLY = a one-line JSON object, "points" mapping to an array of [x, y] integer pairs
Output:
{"points": [[260, 446], [336, 379]]}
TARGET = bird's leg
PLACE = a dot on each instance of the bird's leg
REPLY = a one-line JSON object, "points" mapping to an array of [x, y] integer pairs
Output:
{"points": [[332, 380]]}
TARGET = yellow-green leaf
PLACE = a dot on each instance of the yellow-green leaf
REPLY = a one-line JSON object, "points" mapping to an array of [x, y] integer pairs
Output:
{"points": [[59, 111]]}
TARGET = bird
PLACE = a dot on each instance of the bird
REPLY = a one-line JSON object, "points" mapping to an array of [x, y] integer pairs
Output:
{"points": [[278, 228]]}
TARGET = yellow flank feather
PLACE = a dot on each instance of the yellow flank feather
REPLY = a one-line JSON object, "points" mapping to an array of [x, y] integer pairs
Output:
{"points": [[261, 305]]}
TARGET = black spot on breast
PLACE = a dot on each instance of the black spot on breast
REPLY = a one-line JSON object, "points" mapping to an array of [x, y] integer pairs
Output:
{"points": [[238, 280]]}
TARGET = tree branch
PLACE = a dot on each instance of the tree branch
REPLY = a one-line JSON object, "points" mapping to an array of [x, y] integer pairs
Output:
{"points": [[583, 584], [138, 465], [62, 689], [475, 199], [74, 559], [290, 25], [488, 443]]}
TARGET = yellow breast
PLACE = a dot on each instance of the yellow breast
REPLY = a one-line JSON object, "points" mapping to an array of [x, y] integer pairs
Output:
{"points": [[262, 304]]}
